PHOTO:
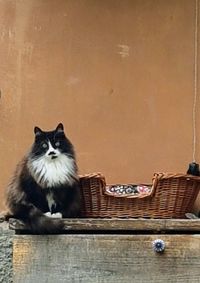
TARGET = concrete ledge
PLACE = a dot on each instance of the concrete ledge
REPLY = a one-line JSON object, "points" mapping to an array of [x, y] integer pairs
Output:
{"points": [[6, 252]]}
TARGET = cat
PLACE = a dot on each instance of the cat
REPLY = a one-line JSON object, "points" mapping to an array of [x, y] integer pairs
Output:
{"points": [[45, 184]]}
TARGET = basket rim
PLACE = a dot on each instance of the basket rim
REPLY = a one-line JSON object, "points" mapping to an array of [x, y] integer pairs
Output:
{"points": [[155, 180], [160, 175], [168, 175]]}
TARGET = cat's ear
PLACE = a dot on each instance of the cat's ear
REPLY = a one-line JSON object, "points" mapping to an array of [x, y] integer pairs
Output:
{"points": [[37, 131], [60, 128]]}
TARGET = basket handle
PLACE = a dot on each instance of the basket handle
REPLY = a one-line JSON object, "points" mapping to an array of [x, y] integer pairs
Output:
{"points": [[91, 178]]}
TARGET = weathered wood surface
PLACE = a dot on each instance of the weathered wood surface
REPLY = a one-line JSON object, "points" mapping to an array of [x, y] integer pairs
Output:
{"points": [[105, 259], [122, 225]]}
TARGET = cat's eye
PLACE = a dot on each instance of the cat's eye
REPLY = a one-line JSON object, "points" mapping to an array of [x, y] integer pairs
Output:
{"points": [[44, 145], [57, 144]]}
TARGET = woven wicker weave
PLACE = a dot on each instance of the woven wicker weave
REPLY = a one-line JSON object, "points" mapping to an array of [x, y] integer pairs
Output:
{"points": [[172, 196]]}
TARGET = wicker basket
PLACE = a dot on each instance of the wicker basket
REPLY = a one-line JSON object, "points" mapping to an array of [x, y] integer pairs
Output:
{"points": [[171, 196]]}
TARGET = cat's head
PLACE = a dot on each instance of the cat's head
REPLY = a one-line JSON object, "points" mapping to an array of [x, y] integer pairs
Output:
{"points": [[51, 144]]}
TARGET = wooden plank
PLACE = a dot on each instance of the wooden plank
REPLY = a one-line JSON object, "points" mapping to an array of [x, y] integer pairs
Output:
{"points": [[105, 258], [121, 224]]}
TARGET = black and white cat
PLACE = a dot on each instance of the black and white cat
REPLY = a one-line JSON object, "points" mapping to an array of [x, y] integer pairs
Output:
{"points": [[45, 184]]}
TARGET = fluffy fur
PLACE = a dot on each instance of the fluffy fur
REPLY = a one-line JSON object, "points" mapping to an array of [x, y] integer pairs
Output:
{"points": [[45, 184], [51, 174]]}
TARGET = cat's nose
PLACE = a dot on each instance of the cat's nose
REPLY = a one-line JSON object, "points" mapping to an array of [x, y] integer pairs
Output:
{"points": [[52, 153]]}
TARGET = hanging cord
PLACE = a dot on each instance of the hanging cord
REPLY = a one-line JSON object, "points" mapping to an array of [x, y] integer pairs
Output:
{"points": [[195, 76]]}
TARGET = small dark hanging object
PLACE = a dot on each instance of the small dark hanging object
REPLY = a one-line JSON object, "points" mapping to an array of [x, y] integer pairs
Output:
{"points": [[193, 169]]}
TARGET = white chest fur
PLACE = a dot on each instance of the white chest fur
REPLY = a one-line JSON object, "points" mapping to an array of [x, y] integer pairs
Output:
{"points": [[53, 172]]}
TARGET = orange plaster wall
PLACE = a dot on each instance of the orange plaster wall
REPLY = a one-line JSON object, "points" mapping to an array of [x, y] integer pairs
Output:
{"points": [[118, 74]]}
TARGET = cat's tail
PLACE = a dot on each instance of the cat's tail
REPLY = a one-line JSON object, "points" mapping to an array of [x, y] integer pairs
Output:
{"points": [[40, 223]]}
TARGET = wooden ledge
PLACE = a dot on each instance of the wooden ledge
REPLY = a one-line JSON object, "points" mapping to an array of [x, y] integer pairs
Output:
{"points": [[134, 225]]}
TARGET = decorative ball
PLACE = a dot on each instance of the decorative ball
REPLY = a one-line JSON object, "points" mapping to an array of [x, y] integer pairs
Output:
{"points": [[159, 246]]}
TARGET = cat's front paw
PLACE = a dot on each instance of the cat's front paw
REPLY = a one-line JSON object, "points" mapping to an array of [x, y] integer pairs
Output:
{"points": [[54, 215], [48, 214]]}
